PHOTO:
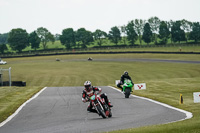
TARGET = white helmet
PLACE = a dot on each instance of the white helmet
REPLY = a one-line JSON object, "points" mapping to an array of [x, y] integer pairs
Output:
{"points": [[87, 85]]}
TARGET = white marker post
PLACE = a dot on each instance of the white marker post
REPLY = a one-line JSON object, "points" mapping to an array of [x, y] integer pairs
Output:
{"points": [[196, 96]]}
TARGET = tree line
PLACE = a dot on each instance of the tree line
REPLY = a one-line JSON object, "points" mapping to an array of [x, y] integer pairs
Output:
{"points": [[151, 30]]}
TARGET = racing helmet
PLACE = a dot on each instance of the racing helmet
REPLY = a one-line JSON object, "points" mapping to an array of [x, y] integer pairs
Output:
{"points": [[125, 73], [87, 85]]}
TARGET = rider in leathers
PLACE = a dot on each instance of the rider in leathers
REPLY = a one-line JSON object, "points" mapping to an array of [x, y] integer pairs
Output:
{"points": [[123, 77], [89, 91]]}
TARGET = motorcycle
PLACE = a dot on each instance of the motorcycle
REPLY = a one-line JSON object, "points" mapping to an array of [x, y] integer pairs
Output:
{"points": [[127, 87], [100, 105]]}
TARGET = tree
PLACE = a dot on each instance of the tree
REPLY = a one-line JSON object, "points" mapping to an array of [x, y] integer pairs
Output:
{"points": [[3, 38], [68, 38], [177, 33], [3, 47], [84, 36], [45, 36], [57, 37], [18, 39], [187, 27], [114, 35], [131, 34], [147, 34], [139, 28], [51, 38], [3, 42], [163, 32], [195, 33], [169, 25], [123, 31], [99, 36], [34, 40], [154, 23]]}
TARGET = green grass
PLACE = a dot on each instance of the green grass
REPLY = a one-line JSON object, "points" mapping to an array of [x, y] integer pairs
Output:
{"points": [[165, 81]]}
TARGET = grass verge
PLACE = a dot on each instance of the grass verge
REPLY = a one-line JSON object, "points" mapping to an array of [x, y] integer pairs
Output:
{"points": [[12, 97]]}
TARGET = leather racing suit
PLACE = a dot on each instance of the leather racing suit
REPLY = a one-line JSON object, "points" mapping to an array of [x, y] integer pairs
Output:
{"points": [[88, 93]]}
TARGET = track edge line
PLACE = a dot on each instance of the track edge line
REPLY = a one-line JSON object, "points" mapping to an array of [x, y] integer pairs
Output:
{"points": [[188, 114]]}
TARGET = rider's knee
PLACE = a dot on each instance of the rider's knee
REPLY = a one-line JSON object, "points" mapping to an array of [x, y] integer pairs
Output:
{"points": [[119, 85]]}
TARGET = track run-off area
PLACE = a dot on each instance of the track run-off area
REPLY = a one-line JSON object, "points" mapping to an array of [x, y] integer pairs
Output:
{"points": [[60, 110]]}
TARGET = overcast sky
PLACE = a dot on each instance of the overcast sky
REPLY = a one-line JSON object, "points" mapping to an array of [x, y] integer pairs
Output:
{"points": [[56, 15]]}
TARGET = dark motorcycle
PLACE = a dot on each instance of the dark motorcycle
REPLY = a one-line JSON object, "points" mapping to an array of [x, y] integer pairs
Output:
{"points": [[100, 105]]}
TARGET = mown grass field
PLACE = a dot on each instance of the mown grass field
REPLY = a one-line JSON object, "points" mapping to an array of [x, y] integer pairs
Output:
{"points": [[165, 81]]}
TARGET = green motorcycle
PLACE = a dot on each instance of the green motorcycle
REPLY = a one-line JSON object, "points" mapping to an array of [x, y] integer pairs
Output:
{"points": [[127, 87]]}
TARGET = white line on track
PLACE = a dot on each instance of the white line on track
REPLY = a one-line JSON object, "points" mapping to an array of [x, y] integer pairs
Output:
{"points": [[188, 114], [20, 108]]}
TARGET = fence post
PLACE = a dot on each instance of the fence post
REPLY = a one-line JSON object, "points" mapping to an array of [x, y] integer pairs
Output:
{"points": [[10, 76]]}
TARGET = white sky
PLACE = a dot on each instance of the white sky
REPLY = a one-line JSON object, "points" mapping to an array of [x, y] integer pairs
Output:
{"points": [[56, 15]]}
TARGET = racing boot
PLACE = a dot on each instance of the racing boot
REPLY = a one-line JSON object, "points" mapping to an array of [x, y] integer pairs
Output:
{"points": [[121, 88], [107, 101], [110, 105]]}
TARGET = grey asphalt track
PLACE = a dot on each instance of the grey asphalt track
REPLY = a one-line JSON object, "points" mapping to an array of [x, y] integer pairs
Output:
{"points": [[137, 60], [60, 110], [149, 60]]}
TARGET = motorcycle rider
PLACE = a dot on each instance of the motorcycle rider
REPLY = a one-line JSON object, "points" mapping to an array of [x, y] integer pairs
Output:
{"points": [[123, 77], [89, 91]]}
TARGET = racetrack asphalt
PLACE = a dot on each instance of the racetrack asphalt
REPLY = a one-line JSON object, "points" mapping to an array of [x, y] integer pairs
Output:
{"points": [[60, 110], [137, 60], [149, 60]]}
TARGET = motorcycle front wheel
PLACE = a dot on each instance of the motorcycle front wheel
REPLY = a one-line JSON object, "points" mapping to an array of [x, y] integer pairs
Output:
{"points": [[101, 111], [110, 114], [127, 92]]}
